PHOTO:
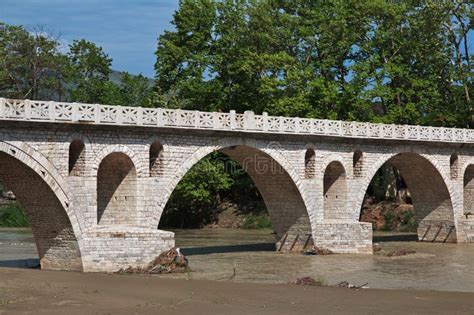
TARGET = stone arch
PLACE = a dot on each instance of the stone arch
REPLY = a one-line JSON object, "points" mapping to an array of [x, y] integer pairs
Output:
{"points": [[47, 203], [431, 195], [278, 183], [116, 190], [155, 158], [467, 161], [357, 163], [77, 157], [453, 165], [333, 158], [468, 189], [335, 191], [310, 163], [141, 169]]}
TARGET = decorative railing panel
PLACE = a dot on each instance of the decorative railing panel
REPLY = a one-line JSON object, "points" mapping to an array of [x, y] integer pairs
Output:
{"points": [[60, 112]]}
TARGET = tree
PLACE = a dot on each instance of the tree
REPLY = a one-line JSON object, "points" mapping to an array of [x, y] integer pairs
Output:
{"points": [[31, 63], [394, 62], [135, 90], [459, 24], [183, 56], [90, 70]]}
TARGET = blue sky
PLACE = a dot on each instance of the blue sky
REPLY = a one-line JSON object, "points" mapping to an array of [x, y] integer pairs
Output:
{"points": [[126, 29]]}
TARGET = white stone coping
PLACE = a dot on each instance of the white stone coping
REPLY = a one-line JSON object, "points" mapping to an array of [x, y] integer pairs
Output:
{"points": [[60, 112]]}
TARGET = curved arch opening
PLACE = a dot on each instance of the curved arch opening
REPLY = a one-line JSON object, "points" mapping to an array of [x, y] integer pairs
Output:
{"points": [[357, 163], [155, 152], [453, 165], [468, 190], [116, 190], [77, 161], [335, 191], [56, 244], [408, 194], [309, 164], [248, 189]]}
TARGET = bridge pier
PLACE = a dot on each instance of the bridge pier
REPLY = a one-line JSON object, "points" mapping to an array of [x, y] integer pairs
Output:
{"points": [[110, 248], [344, 237]]}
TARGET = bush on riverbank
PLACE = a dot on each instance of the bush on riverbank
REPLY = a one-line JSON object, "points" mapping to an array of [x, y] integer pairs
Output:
{"points": [[390, 216], [12, 215], [256, 221]]}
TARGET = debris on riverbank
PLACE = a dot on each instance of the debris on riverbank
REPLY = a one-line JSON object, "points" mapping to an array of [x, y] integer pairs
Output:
{"points": [[392, 252], [172, 261], [307, 281], [345, 284], [315, 250], [398, 252], [319, 282]]}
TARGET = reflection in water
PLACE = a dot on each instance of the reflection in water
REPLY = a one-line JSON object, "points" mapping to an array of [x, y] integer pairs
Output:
{"points": [[214, 253]]}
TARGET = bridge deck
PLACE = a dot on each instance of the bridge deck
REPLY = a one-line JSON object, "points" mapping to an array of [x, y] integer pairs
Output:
{"points": [[60, 112]]}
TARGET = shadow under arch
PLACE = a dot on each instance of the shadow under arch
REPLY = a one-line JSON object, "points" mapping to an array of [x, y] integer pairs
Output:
{"points": [[274, 178], [116, 190], [54, 233], [431, 197]]}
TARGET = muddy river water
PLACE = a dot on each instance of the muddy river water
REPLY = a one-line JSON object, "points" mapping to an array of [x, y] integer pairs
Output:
{"points": [[214, 254]]}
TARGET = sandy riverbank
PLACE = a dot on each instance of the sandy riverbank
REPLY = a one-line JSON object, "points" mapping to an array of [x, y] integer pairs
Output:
{"points": [[47, 292]]}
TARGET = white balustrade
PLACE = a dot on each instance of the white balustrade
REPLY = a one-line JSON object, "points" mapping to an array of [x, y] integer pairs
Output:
{"points": [[42, 111]]}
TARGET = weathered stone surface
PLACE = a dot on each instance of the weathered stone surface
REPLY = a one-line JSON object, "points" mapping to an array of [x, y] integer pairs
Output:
{"points": [[94, 189]]}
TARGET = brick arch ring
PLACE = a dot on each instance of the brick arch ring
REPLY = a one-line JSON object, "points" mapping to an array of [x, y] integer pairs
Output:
{"points": [[79, 136], [140, 168], [334, 158], [51, 177], [308, 146], [229, 142], [382, 160], [466, 164]]}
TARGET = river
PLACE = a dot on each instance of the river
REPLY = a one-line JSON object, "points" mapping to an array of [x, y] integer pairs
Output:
{"points": [[214, 254]]}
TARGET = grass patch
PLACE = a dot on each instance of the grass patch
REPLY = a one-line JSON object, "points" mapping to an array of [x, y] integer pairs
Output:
{"points": [[12, 216], [256, 221]]}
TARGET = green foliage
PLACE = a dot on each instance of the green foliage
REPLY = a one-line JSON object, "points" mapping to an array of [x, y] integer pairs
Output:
{"points": [[408, 222], [392, 62], [90, 70], [31, 65], [257, 221], [389, 217], [398, 221], [134, 91], [196, 197], [12, 216]]}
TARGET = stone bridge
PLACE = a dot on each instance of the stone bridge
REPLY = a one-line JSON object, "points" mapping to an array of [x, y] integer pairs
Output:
{"points": [[94, 179]]}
